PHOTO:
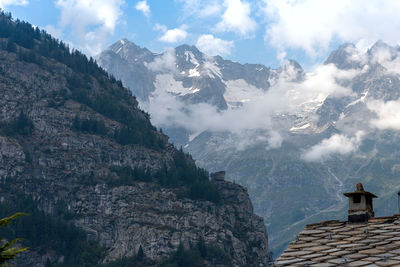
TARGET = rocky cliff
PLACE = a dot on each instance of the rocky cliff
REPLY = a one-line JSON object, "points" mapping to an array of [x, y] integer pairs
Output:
{"points": [[74, 141]]}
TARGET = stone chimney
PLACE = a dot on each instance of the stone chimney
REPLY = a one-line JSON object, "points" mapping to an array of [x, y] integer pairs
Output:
{"points": [[218, 176], [360, 205]]}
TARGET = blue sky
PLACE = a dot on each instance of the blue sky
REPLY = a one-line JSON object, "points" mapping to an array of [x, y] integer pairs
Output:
{"points": [[249, 31]]}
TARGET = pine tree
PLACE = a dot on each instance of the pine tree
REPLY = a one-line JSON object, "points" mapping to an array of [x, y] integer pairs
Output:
{"points": [[140, 254], [7, 249]]}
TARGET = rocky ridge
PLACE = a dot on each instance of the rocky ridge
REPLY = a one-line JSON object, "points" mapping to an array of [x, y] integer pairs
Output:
{"points": [[65, 168], [190, 74]]}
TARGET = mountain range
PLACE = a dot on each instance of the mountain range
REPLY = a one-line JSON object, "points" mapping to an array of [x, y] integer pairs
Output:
{"points": [[296, 140]]}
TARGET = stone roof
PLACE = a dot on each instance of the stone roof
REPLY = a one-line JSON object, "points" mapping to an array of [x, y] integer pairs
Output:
{"points": [[338, 243]]}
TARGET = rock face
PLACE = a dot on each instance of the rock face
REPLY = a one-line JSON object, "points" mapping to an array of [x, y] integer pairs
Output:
{"points": [[124, 218], [57, 165]]}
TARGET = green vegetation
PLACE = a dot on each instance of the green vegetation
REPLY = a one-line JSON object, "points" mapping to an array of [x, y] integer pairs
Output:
{"points": [[182, 172], [138, 260], [24, 35], [110, 102], [196, 256], [41, 232], [126, 175], [22, 125], [90, 125], [7, 249], [32, 45]]}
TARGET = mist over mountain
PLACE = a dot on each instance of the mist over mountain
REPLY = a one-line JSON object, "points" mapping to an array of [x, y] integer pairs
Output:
{"points": [[297, 140]]}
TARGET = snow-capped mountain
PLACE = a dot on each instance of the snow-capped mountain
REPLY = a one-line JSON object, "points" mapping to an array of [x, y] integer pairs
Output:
{"points": [[189, 74], [296, 140]]}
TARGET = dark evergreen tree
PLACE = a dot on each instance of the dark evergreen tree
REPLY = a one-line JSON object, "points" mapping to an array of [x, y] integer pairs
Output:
{"points": [[140, 254], [11, 46]]}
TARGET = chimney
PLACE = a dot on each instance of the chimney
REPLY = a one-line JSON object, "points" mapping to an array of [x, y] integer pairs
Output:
{"points": [[218, 176], [360, 205]]}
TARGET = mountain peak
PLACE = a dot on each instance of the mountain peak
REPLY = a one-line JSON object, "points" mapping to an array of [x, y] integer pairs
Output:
{"points": [[116, 47], [123, 41], [127, 49], [341, 57], [382, 46], [180, 50]]}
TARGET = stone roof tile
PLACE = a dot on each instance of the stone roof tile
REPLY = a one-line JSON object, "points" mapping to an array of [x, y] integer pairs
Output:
{"points": [[335, 243]]}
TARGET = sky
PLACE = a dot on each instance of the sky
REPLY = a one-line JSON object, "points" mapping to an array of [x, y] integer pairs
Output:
{"points": [[248, 31]]}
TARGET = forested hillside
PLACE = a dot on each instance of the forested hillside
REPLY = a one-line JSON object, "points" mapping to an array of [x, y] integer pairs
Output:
{"points": [[101, 184]]}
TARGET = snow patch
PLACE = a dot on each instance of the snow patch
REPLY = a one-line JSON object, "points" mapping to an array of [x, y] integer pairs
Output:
{"points": [[194, 73], [299, 128], [211, 69], [191, 58], [360, 100], [166, 82], [240, 91], [193, 136]]}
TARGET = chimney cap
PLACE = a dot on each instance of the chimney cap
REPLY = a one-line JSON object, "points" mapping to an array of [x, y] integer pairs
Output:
{"points": [[360, 191]]}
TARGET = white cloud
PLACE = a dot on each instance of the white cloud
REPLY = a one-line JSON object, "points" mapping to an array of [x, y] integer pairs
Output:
{"points": [[201, 8], [174, 35], [212, 46], [387, 112], [262, 118], [336, 144], [91, 22], [4, 3], [237, 18], [386, 56], [211, 9], [314, 89], [312, 25], [274, 140], [160, 27], [55, 32], [165, 63], [143, 7]]}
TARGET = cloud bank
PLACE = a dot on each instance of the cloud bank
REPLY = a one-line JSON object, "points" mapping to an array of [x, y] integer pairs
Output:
{"points": [[4, 3], [165, 63], [262, 116], [90, 23], [388, 114], [201, 8], [237, 18], [173, 35], [213, 46], [143, 7], [312, 25], [336, 144]]}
